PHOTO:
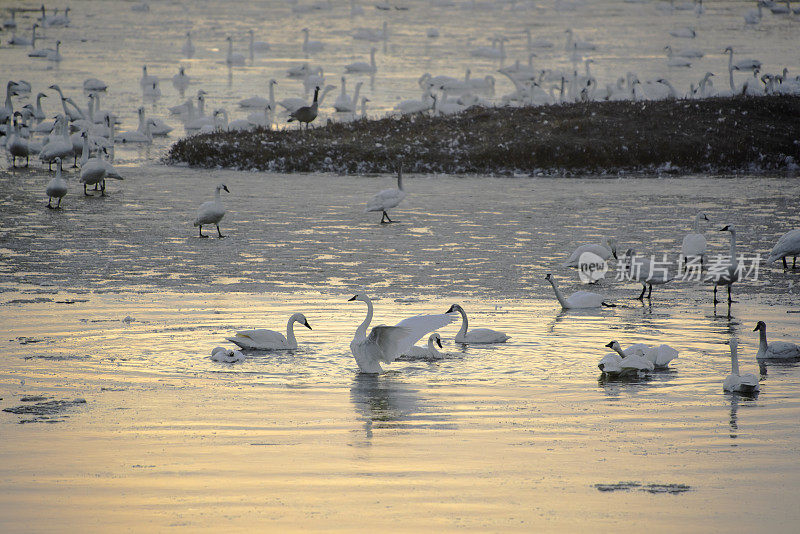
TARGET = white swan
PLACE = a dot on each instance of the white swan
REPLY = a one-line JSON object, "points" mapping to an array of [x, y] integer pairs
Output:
{"points": [[344, 103], [311, 46], [644, 271], [734, 382], [694, 244], [753, 16], [742, 64], [674, 60], [93, 171], [388, 198], [777, 350], [579, 299], [491, 52], [386, 343], [188, 48], [16, 145], [368, 34], [57, 188], [93, 84], [181, 80], [361, 66], [685, 52], [683, 33], [147, 79], [477, 335], [60, 145], [787, 245], [623, 363], [263, 339], [54, 55], [143, 133], [259, 101], [726, 274], [221, 354], [257, 46], [606, 249], [211, 212], [428, 351], [573, 44], [233, 58]]}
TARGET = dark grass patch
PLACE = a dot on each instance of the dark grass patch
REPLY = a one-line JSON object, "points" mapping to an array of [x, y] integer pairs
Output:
{"points": [[716, 135], [649, 488], [42, 410]]}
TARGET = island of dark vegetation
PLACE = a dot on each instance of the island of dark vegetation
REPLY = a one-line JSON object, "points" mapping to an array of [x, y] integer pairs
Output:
{"points": [[716, 135]]}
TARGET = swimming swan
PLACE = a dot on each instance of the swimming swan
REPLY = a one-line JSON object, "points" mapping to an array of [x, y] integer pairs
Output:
{"points": [[478, 335], [579, 299], [388, 198], [777, 350], [221, 354], [623, 363], [386, 343], [211, 212], [428, 351], [263, 339], [736, 383]]}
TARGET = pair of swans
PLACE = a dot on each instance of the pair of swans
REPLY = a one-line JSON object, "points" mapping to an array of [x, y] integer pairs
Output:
{"points": [[211, 212], [384, 344], [388, 198], [636, 359], [263, 339]]}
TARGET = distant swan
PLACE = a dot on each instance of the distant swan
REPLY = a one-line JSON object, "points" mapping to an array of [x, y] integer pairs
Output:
{"points": [[728, 273], [263, 339], [386, 343], [188, 48], [777, 350], [734, 382], [211, 212], [579, 299], [221, 354], [311, 46], [361, 66], [477, 335], [233, 58]]}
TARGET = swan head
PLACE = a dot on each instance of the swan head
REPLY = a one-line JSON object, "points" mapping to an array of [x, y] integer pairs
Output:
{"points": [[612, 244], [548, 277], [761, 325], [436, 338], [613, 345], [300, 318], [223, 186], [728, 49], [728, 228], [455, 308], [360, 296], [703, 216]]}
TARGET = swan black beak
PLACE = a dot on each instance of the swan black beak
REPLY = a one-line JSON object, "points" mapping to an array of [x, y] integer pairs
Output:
{"points": [[308, 325], [724, 229], [354, 297], [225, 187], [609, 345], [547, 276], [439, 342], [452, 309]]}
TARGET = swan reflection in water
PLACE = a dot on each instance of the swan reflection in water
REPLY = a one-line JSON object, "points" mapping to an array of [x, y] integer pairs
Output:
{"points": [[382, 400]]}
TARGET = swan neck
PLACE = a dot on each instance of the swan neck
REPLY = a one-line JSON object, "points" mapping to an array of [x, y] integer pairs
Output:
{"points": [[558, 293], [290, 331], [734, 362], [464, 323], [432, 348], [618, 350], [733, 248], [400, 180], [361, 331], [762, 340]]}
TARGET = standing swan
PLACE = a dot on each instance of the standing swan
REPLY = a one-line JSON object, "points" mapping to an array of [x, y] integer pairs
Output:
{"points": [[726, 275], [263, 339], [211, 212], [777, 350], [736, 383], [478, 335], [579, 299], [188, 48], [57, 188], [787, 245], [386, 343], [388, 198], [694, 245]]}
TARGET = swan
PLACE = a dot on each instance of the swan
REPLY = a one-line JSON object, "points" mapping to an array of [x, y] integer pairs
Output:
{"points": [[477, 335], [306, 114], [674, 61], [93, 172], [579, 299], [683, 33], [298, 71], [11, 23], [725, 274], [573, 44], [606, 249], [386, 343], [257, 46], [361, 66], [734, 382], [60, 145], [54, 55], [16, 145], [263, 339], [491, 52], [644, 271], [311, 46], [364, 101], [21, 41], [7, 110], [142, 134], [624, 363], [188, 48], [686, 52], [211, 212], [537, 43], [259, 101], [224, 125], [388, 198], [152, 91], [368, 34], [221, 354], [428, 351], [57, 188], [181, 80], [314, 79], [58, 20], [754, 15], [743, 64], [156, 126], [787, 245], [147, 79], [694, 244], [344, 103], [777, 350], [233, 58]]}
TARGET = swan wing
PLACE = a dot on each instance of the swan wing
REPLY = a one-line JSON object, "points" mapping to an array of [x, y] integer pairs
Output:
{"points": [[661, 355], [419, 325], [388, 198], [782, 350], [694, 245], [585, 299], [788, 244], [386, 343]]}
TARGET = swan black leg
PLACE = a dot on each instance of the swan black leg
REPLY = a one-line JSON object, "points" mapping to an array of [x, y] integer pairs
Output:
{"points": [[794, 262], [103, 188], [201, 231], [49, 199], [650, 292], [58, 206], [784, 263], [388, 220], [84, 191], [641, 295], [220, 233], [715, 296]]}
